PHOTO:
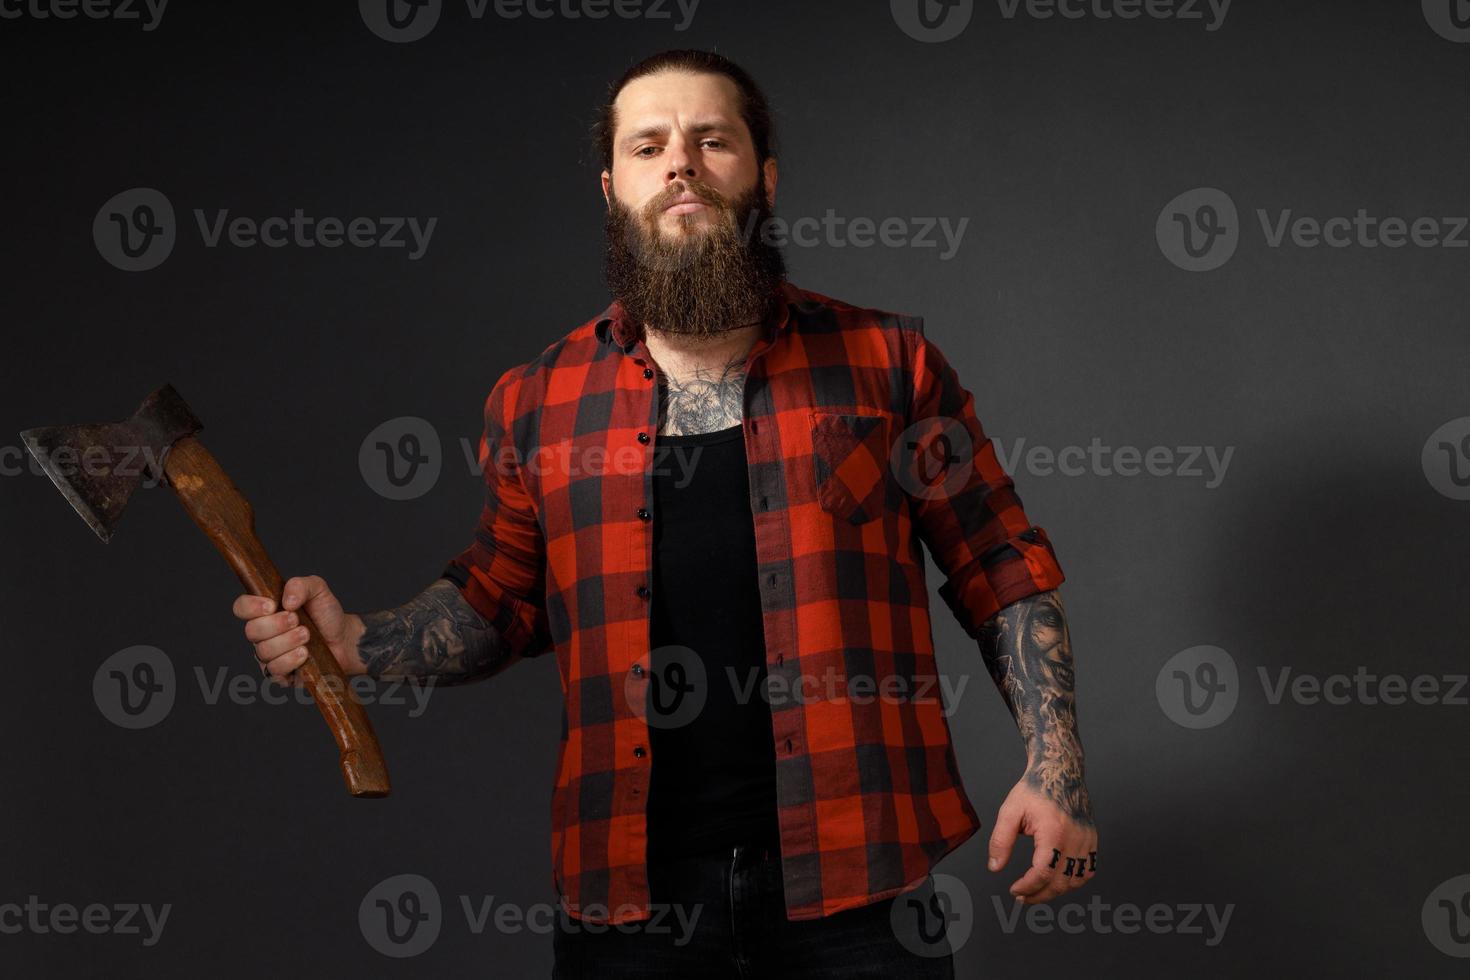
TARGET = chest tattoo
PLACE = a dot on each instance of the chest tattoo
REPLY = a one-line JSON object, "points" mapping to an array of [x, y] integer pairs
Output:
{"points": [[702, 400]]}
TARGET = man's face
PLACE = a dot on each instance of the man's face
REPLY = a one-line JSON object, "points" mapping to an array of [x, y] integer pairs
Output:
{"points": [[682, 153], [684, 199]]}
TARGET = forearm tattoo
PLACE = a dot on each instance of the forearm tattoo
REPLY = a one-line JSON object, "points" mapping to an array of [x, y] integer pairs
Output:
{"points": [[1028, 650], [436, 638], [703, 401]]}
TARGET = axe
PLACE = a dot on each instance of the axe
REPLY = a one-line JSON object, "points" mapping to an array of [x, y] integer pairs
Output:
{"points": [[97, 468]]}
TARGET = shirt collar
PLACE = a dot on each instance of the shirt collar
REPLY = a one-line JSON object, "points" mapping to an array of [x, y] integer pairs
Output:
{"points": [[613, 327]]}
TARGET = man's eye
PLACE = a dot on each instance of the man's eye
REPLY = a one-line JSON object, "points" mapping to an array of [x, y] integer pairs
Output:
{"points": [[717, 143], [645, 151]]}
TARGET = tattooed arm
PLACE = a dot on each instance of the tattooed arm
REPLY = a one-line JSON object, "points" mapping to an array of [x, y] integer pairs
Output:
{"points": [[436, 637], [1028, 651]]}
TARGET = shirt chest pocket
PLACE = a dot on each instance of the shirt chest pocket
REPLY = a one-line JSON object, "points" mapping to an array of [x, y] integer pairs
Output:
{"points": [[850, 456]]}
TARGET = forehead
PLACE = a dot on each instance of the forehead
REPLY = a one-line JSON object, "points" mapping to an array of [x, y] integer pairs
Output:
{"points": [[678, 95]]}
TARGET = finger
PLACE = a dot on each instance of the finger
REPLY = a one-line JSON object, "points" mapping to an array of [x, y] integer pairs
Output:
{"points": [[1046, 865], [301, 590], [264, 627], [281, 667], [1003, 837], [278, 646], [1064, 877], [252, 606]]}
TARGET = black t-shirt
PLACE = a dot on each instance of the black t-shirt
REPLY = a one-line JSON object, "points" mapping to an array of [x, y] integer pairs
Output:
{"points": [[713, 782]]}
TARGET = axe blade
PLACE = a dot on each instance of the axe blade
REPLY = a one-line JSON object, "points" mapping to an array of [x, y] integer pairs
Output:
{"points": [[97, 467]]}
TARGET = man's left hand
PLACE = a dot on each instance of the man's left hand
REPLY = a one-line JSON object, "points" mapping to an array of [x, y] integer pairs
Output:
{"points": [[1064, 855]]}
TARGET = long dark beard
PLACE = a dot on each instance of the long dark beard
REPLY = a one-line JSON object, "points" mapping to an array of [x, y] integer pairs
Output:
{"points": [[702, 283]]}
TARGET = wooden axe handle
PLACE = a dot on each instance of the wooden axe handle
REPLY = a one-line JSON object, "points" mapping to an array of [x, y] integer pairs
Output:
{"points": [[223, 513]]}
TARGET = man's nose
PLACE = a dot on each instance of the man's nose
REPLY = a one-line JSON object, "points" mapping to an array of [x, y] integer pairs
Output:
{"points": [[681, 162]]}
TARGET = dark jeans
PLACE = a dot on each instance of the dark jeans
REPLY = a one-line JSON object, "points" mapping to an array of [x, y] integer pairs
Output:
{"points": [[723, 915]]}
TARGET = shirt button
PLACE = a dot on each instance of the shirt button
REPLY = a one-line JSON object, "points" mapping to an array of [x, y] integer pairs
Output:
{"points": [[643, 513], [638, 750], [788, 745], [643, 438], [637, 670], [648, 372], [642, 592]]}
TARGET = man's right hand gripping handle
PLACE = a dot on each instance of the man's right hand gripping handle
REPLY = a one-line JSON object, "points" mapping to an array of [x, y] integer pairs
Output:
{"points": [[280, 638], [437, 637]]}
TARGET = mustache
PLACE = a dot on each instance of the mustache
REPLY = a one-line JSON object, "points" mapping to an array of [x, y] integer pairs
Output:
{"points": [[699, 189]]}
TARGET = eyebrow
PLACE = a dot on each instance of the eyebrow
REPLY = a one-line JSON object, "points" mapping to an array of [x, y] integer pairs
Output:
{"points": [[698, 129]]}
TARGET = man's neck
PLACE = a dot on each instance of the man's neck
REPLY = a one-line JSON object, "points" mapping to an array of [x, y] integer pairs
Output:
{"points": [[701, 382], [679, 354]]}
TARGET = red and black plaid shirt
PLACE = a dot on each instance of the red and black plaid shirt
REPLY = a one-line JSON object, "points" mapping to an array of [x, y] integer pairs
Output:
{"points": [[861, 443]]}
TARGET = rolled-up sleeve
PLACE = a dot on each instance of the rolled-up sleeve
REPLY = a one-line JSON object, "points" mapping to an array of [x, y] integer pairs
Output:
{"points": [[502, 573], [966, 508]]}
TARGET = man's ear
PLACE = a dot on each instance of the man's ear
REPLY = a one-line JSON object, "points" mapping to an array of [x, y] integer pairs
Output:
{"points": [[769, 169], [606, 187]]}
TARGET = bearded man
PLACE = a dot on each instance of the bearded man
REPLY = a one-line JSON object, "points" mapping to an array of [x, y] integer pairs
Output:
{"points": [[756, 773]]}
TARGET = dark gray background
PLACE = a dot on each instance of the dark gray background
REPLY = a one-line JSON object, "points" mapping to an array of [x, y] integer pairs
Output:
{"points": [[1325, 548]]}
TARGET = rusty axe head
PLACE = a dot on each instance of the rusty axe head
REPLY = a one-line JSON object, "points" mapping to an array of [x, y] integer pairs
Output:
{"points": [[97, 467]]}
